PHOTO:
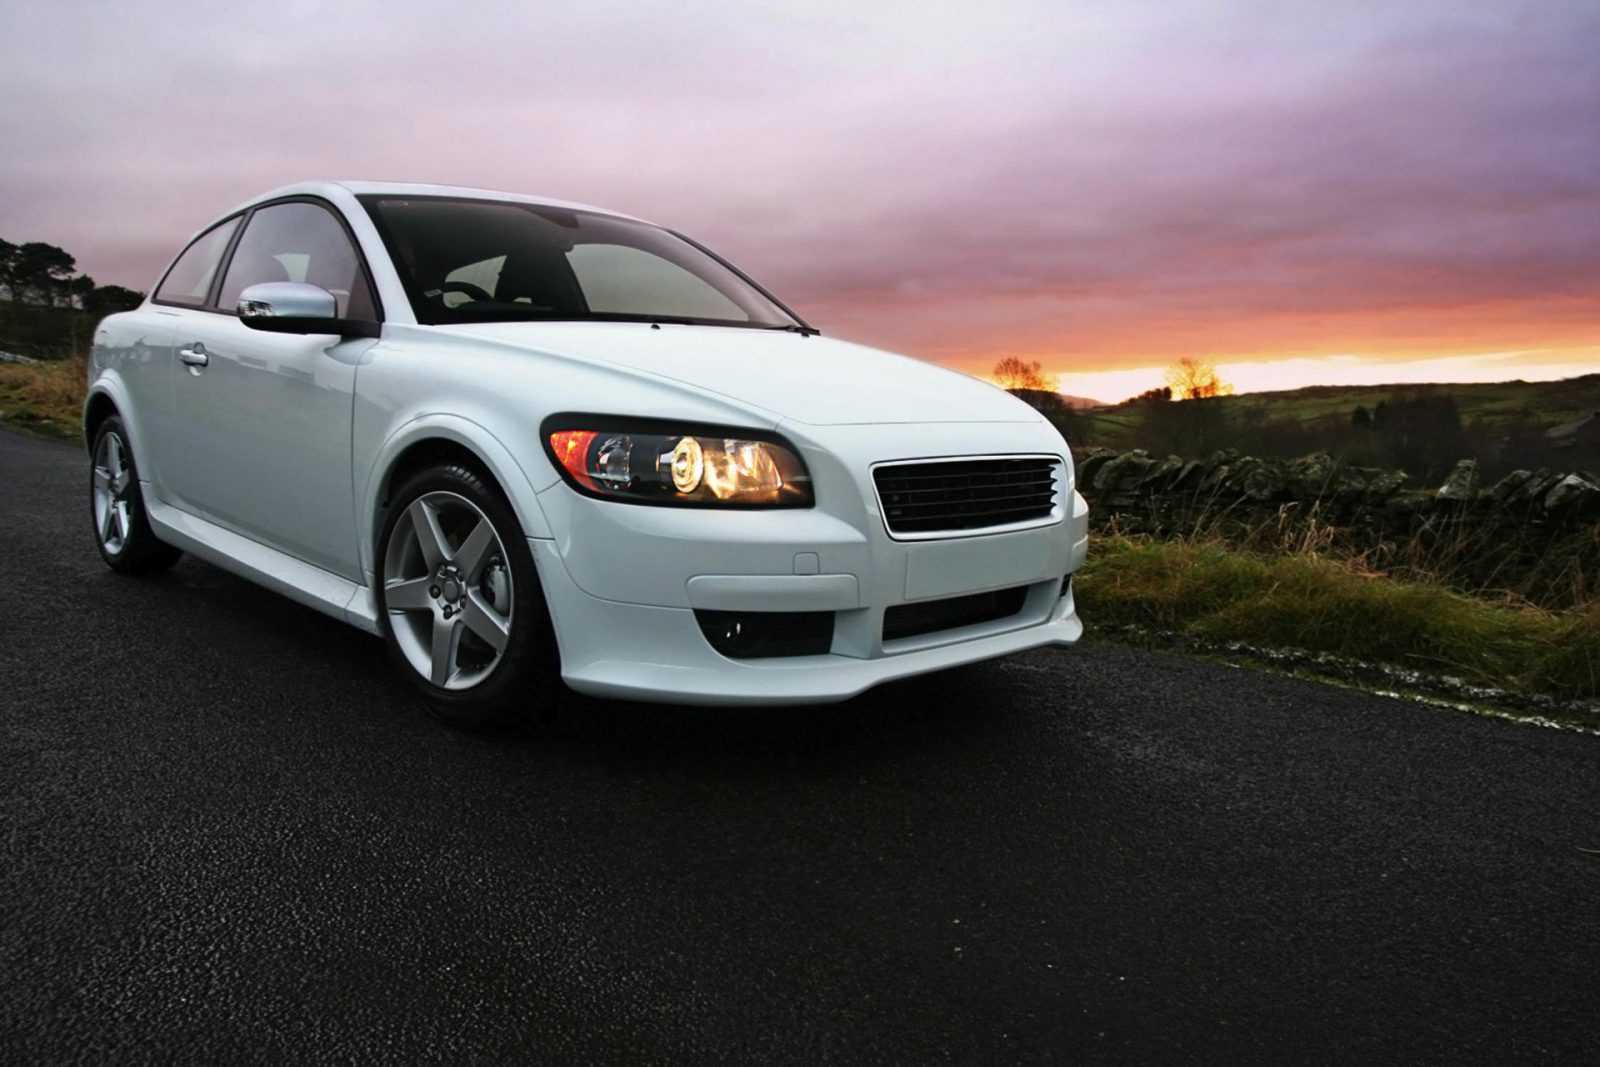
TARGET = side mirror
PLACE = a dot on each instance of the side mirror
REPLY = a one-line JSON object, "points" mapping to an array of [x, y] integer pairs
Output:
{"points": [[294, 307]]}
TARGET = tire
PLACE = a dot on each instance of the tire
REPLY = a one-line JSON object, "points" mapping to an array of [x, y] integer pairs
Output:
{"points": [[462, 611], [116, 506]]}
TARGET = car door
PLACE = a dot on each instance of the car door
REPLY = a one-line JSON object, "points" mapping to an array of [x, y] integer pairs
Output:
{"points": [[266, 416], [181, 297]]}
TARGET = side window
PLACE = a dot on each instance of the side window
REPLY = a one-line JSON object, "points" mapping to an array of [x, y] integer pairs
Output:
{"points": [[189, 280], [298, 242], [621, 278]]}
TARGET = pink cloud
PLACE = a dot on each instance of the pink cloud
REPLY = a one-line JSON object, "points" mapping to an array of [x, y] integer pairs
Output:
{"points": [[1092, 184]]}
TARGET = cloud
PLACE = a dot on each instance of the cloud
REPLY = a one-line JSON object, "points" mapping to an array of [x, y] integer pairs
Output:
{"points": [[1091, 184]]}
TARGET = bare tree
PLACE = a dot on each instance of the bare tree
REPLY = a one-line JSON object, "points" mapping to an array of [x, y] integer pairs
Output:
{"points": [[1012, 374], [1196, 379]]}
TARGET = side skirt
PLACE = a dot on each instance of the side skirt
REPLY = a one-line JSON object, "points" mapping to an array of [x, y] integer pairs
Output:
{"points": [[293, 578]]}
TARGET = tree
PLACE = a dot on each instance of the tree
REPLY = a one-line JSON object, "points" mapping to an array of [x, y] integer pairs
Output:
{"points": [[1159, 395], [8, 267], [41, 269], [1196, 379], [79, 290], [1012, 374]]}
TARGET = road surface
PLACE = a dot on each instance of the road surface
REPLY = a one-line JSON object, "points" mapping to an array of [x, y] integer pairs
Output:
{"points": [[228, 835]]}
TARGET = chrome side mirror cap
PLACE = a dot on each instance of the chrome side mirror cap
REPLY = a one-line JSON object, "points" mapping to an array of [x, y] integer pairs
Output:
{"points": [[295, 307]]}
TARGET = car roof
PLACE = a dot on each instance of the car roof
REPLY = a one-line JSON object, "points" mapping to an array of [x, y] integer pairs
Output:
{"points": [[323, 187]]}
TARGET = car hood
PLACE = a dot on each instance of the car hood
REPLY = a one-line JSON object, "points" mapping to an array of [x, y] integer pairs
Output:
{"points": [[815, 380]]}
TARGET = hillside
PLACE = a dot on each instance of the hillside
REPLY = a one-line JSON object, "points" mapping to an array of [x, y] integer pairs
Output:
{"points": [[1486, 407], [1081, 403], [1548, 403]]}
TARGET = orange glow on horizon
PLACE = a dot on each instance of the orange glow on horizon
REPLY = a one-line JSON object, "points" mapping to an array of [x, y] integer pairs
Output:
{"points": [[1113, 384], [1112, 349]]}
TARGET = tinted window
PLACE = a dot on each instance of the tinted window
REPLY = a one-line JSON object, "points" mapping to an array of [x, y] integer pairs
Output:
{"points": [[189, 280], [298, 242], [484, 274], [484, 260], [621, 278]]}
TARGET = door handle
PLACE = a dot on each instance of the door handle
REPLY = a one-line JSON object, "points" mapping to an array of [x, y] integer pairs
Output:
{"points": [[195, 355]]}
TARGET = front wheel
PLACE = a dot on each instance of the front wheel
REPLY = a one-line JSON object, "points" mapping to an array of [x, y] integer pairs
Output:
{"points": [[116, 504], [463, 614]]}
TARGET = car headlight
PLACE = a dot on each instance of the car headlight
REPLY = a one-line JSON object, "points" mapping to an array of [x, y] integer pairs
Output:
{"points": [[641, 461]]}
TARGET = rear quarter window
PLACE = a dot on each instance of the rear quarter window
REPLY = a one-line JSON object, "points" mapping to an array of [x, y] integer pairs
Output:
{"points": [[189, 280]]}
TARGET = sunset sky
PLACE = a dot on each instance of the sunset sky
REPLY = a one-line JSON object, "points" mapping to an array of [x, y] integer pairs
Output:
{"points": [[1301, 192]]}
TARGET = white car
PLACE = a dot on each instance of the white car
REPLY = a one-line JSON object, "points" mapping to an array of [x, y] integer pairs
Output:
{"points": [[530, 442]]}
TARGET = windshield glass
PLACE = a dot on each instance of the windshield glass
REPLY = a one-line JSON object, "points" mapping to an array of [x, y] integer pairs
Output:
{"points": [[464, 260]]}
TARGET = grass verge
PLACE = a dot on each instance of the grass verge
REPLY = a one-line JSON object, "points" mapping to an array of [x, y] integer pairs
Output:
{"points": [[46, 396], [1209, 591]]}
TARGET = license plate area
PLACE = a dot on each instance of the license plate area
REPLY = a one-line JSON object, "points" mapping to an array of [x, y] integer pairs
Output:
{"points": [[974, 564]]}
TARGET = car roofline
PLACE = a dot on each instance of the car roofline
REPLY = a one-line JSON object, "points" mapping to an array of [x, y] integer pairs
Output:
{"points": [[353, 187]]}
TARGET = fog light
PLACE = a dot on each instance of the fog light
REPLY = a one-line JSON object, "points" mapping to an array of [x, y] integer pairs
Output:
{"points": [[759, 634]]}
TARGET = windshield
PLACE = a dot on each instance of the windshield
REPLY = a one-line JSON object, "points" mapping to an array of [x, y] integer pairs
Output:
{"points": [[464, 260]]}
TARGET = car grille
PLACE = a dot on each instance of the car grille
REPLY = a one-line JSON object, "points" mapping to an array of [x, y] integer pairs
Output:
{"points": [[931, 616], [965, 494]]}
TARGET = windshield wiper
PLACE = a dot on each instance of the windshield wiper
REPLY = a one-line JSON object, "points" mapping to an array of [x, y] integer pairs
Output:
{"points": [[799, 328]]}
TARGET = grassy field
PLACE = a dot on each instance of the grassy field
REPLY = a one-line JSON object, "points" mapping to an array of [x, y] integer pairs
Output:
{"points": [[1486, 405], [1207, 590], [46, 397]]}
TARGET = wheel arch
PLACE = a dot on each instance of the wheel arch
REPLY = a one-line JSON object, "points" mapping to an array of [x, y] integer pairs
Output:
{"points": [[108, 395], [445, 439], [97, 408]]}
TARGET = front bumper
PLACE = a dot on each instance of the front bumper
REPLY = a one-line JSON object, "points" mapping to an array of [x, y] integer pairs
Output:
{"points": [[624, 582], [645, 652]]}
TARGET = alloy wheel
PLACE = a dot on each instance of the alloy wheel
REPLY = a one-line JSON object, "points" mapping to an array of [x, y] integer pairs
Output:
{"points": [[113, 482], [448, 591]]}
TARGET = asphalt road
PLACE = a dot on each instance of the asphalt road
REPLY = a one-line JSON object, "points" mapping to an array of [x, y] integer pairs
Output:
{"points": [[227, 835]]}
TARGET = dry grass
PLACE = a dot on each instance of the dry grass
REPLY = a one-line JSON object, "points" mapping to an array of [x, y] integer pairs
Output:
{"points": [[1305, 599], [1509, 559], [45, 396]]}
